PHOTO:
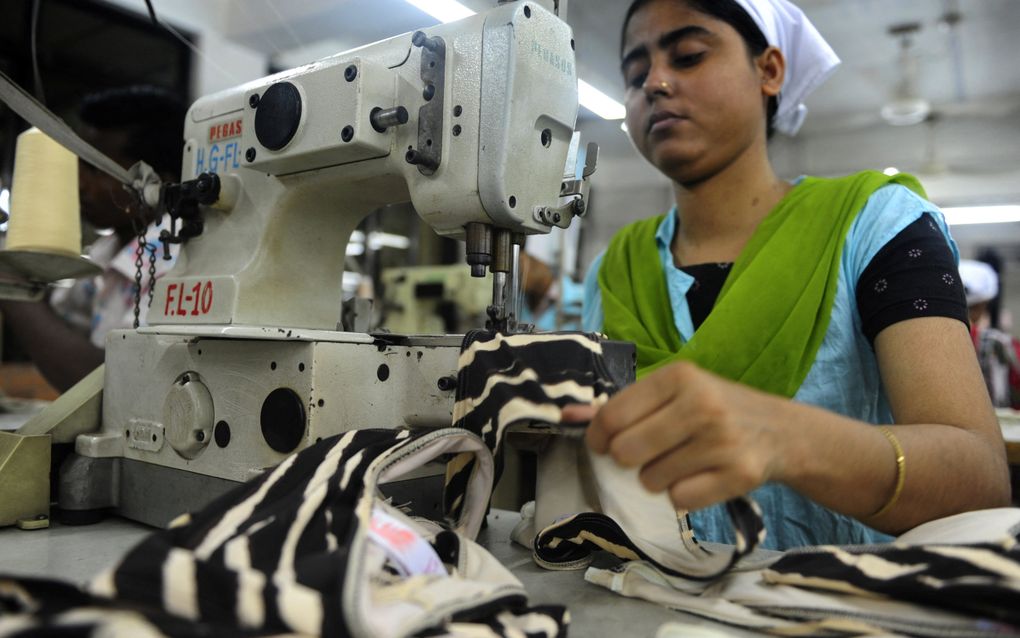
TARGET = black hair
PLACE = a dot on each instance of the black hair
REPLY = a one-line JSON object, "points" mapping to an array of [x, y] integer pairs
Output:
{"points": [[730, 12], [151, 116]]}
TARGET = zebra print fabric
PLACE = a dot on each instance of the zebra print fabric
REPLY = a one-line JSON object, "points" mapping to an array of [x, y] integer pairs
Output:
{"points": [[291, 552], [507, 381], [981, 579], [295, 551]]}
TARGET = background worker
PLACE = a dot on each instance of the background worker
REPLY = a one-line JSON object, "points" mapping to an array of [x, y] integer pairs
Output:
{"points": [[996, 350], [64, 334]]}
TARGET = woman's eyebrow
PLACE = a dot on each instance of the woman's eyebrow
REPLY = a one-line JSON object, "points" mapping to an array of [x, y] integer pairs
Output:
{"points": [[665, 41]]}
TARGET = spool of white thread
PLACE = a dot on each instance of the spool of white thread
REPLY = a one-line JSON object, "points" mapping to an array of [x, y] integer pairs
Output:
{"points": [[44, 213]]}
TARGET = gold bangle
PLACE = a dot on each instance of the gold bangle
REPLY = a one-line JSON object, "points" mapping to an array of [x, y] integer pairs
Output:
{"points": [[901, 471]]}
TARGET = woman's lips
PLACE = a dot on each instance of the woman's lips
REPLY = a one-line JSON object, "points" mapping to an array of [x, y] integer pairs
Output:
{"points": [[663, 120]]}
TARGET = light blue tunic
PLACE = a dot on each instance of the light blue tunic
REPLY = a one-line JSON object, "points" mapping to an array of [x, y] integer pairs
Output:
{"points": [[844, 378]]}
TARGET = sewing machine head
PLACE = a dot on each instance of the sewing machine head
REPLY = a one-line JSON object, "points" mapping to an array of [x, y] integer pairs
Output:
{"points": [[470, 122], [242, 362]]}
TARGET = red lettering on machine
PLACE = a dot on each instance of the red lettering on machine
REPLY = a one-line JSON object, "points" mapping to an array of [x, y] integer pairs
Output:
{"points": [[225, 130], [182, 301]]}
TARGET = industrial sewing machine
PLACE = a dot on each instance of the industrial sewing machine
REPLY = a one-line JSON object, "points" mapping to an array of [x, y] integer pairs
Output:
{"points": [[246, 358]]}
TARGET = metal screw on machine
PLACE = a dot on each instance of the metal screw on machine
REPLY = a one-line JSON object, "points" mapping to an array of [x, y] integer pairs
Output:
{"points": [[347, 134], [382, 119], [447, 383], [351, 73], [478, 242], [419, 39], [420, 159]]}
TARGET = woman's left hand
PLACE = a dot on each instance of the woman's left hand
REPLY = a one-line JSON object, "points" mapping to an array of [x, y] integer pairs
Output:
{"points": [[702, 438]]}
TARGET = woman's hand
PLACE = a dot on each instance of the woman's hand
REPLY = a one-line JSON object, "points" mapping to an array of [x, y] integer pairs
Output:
{"points": [[702, 438]]}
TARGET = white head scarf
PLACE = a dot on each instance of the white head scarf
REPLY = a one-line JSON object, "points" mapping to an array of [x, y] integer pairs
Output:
{"points": [[980, 283], [809, 58]]}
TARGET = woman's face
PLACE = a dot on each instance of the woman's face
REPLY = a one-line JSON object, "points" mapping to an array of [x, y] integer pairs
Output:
{"points": [[694, 97]]}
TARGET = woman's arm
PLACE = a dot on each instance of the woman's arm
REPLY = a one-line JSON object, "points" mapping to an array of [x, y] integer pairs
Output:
{"points": [[63, 355], [706, 439]]}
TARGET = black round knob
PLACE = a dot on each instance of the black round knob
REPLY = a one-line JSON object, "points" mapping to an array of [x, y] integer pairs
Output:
{"points": [[278, 115]]}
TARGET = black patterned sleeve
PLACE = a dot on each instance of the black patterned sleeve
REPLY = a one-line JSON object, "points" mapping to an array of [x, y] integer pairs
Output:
{"points": [[914, 275]]}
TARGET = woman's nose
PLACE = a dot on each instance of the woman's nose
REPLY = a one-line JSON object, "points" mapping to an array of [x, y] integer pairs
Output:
{"points": [[657, 84]]}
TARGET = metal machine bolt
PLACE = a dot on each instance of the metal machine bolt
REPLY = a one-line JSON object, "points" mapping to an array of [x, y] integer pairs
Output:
{"points": [[382, 119], [479, 247], [447, 383], [350, 73], [347, 134], [253, 100], [419, 39], [502, 253], [250, 154], [429, 92], [420, 159]]}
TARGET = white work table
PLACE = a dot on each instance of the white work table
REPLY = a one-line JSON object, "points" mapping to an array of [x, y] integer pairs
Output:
{"points": [[76, 554]]}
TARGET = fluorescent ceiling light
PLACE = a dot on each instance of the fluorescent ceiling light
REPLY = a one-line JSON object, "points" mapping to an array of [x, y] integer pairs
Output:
{"points": [[443, 10], [588, 96], [598, 102], [959, 215], [892, 170], [376, 240]]}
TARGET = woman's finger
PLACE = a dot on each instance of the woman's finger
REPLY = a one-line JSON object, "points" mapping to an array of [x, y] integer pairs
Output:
{"points": [[578, 413], [637, 402]]}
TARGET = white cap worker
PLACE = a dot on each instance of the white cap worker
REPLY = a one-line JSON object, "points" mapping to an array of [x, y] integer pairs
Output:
{"points": [[995, 348]]}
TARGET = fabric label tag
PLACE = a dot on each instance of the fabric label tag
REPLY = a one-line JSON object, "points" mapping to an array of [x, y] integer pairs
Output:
{"points": [[406, 548]]}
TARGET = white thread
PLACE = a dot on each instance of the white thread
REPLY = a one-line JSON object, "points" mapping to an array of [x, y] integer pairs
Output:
{"points": [[44, 197]]}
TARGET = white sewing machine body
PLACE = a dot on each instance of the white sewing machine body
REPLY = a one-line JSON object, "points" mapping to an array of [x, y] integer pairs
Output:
{"points": [[246, 358]]}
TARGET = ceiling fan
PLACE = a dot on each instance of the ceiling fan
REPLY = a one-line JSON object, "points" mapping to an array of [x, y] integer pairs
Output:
{"points": [[906, 105]]}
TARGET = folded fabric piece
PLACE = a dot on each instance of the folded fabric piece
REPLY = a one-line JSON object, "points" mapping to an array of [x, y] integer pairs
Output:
{"points": [[585, 502], [980, 578], [310, 548], [973, 593]]}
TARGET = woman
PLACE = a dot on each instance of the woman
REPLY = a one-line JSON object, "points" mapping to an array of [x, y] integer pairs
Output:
{"points": [[840, 294]]}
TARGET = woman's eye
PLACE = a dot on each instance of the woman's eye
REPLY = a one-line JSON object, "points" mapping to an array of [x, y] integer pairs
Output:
{"points": [[688, 60], [637, 80]]}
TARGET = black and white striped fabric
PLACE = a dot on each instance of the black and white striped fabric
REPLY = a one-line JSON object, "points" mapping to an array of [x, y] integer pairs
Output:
{"points": [[508, 381], [981, 579], [955, 577], [292, 552]]}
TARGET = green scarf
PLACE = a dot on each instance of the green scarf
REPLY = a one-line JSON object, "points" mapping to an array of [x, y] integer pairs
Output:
{"points": [[772, 313]]}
